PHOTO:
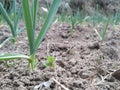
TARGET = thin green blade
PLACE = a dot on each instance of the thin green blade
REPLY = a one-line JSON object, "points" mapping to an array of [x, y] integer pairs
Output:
{"points": [[35, 6], [105, 29], [12, 56], [98, 34], [7, 18], [17, 14], [5, 41], [29, 24], [48, 21]]}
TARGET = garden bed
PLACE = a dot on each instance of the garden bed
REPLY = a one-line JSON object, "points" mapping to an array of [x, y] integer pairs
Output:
{"points": [[82, 63]]}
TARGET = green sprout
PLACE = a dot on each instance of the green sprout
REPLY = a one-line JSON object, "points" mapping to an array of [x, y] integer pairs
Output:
{"points": [[74, 20], [101, 37], [50, 62], [103, 33]]}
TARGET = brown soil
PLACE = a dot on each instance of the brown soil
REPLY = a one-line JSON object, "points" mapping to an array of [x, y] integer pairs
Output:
{"points": [[82, 62]]}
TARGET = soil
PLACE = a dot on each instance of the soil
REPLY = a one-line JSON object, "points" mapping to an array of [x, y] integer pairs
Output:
{"points": [[82, 61]]}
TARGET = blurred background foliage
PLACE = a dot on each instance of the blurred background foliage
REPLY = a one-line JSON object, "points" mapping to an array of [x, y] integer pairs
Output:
{"points": [[88, 10]]}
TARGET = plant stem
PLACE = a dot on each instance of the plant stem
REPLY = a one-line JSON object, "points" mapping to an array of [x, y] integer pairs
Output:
{"points": [[32, 62], [5, 41]]}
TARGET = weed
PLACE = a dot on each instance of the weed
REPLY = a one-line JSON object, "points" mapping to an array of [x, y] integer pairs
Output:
{"points": [[50, 62]]}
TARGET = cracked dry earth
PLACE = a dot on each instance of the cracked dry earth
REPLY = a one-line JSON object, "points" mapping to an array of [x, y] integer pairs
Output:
{"points": [[82, 62]]}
